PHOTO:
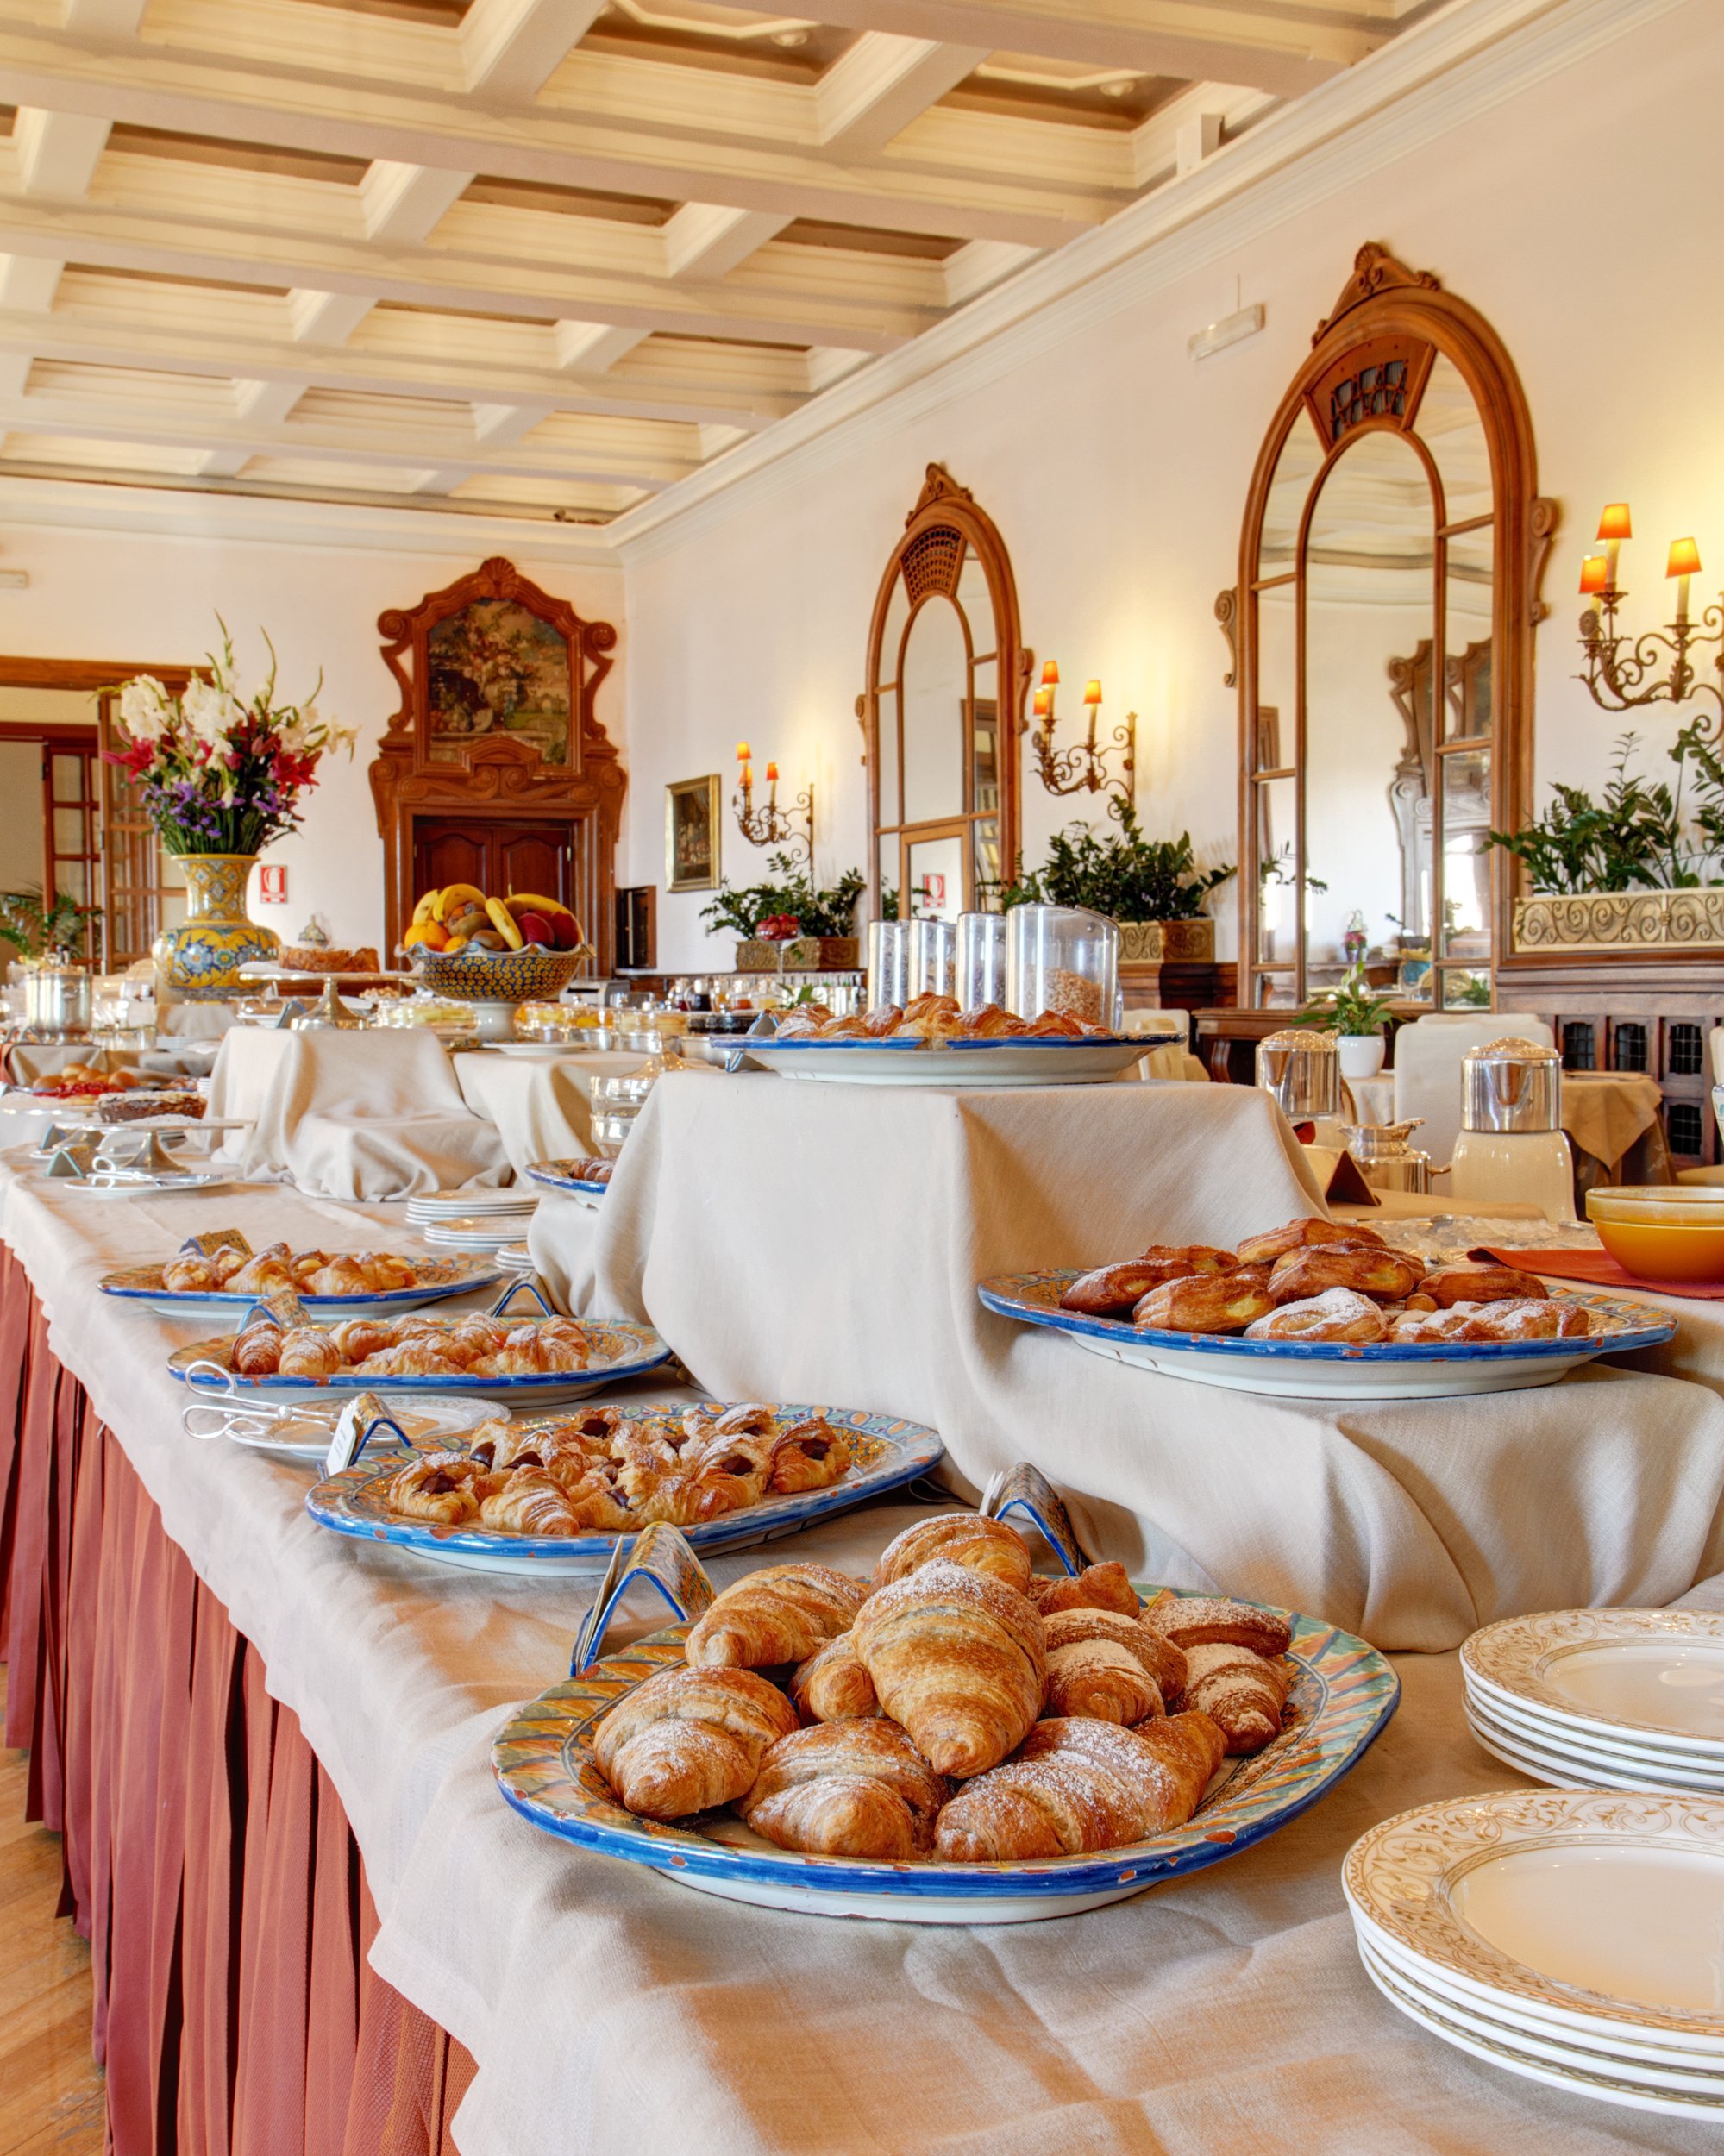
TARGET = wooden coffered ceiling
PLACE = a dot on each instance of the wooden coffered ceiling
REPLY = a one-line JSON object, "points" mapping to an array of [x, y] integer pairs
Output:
{"points": [[545, 258]]}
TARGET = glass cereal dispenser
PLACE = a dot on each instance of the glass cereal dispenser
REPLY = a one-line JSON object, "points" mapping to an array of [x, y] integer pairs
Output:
{"points": [[1062, 958]]}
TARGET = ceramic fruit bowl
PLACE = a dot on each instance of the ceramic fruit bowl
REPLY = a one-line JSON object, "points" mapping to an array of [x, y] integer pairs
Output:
{"points": [[1662, 1231], [498, 976]]}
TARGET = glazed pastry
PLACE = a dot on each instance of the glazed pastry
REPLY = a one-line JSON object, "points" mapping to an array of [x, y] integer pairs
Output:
{"points": [[341, 1277], [189, 1275], [1097, 1586], [383, 1270], [1080, 1785], [833, 1686], [1153, 1650], [958, 1658], [433, 1487], [256, 1352], [960, 1538], [1111, 1291], [689, 1739], [1338, 1313], [1482, 1283], [1299, 1235], [1206, 1302], [529, 1503], [848, 1789], [1241, 1692], [782, 1614], [810, 1455], [1198, 1621], [1386, 1275], [306, 1352], [358, 1337]]}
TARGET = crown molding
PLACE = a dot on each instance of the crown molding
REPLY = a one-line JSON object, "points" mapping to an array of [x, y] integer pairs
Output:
{"points": [[191, 513], [1467, 58]]}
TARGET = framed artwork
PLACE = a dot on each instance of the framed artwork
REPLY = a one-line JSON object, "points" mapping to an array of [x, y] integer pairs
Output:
{"points": [[692, 809], [494, 666]]}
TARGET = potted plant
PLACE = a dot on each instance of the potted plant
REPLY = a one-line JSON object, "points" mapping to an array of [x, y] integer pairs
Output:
{"points": [[1355, 1017], [40, 928], [1153, 887], [221, 775], [789, 926]]}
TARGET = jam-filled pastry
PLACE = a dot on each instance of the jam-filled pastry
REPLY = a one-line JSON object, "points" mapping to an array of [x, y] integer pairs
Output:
{"points": [[1152, 1651], [189, 1275], [959, 1537], [1113, 1291], [529, 1503], [847, 1788], [597, 1426], [1242, 1692], [1481, 1283], [958, 1659], [384, 1271], [306, 1352], [225, 1263], [1199, 1621], [1106, 1586], [1299, 1235], [256, 1352], [688, 1740], [413, 1359], [341, 1277], [593, 1500], [1384, 1275], [1079, 1785], [1535, 1319], [438, 1486], [784, 1612], [833, 1686], [810, 1455], [1206, 1302], [1338, 1313]]}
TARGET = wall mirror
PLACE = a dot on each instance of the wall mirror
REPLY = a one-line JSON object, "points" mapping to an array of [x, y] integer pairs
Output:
{"points": [[943, 710], [1388, 592]]}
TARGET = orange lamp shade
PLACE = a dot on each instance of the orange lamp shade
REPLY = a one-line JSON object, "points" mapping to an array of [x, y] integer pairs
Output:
{"points": [[1091, 692], [1050, 674], [1041, 702], [1594, 574], [1684, 559], [772, 774], [744, 752], [1615, 522]]}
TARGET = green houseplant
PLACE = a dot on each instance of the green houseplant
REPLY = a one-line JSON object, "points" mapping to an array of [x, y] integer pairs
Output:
{"points": [[1355, 1015], [1153, 887], [789, 925], [37, 926]]}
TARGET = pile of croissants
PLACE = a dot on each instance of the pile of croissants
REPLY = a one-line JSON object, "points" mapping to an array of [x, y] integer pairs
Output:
{"points": [[1324, 1280], [307, 1272], [934, 1018], [610, 1470], [955, 1706], [414, 1347]]}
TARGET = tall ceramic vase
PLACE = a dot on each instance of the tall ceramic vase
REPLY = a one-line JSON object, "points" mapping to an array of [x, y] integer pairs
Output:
{"points": [[200, 961]]}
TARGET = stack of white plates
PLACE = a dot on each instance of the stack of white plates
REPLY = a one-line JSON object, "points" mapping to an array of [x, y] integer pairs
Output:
{"points": [[1603, 1699], [516, 1257], [1574, 1938], [467, 1204], [479, 1232]]}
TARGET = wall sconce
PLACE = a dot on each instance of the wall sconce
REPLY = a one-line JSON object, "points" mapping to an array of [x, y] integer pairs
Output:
{"points": [[772, 826], [1622, 672], [1085, 767]]}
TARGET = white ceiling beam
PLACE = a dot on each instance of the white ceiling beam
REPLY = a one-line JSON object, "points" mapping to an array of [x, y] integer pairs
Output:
{"points": [[405, 202], [501, 426], [30, 282], [594, 347], [981, 264], [103, 18], [326, 317], [223, 464], [510, 48], [57, 152], [703, 239], [872, 92], [266, 403], [442, 479], [1203, 118]]}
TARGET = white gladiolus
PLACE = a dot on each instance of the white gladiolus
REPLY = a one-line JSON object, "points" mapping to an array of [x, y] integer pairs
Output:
{"points": [[210, 711], [144, 709]]}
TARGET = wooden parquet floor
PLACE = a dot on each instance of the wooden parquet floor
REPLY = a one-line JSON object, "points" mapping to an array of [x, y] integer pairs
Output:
{"points": [[50, 2095]]}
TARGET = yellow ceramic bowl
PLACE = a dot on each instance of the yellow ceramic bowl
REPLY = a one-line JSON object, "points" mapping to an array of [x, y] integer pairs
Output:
{"points": [[1662, 1232]]}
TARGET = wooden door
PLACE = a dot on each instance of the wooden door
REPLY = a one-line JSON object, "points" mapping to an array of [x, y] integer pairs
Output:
{"points": [[496, 855], [71, 826]]}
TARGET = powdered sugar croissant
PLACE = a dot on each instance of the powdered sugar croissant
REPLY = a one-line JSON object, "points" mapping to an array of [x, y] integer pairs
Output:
{"points": [[958, 1658], [1108, 1666], [689, 1739], [959, 1537], [780, 1614], [848, 1789]]}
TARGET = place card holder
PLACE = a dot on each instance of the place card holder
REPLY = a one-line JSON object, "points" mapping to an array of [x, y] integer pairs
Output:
{"points": [[520, 1288], [661, 1555], [364, 1415], [1025, 1490], [72, 1160], [217, 1239], [283, 1304]]}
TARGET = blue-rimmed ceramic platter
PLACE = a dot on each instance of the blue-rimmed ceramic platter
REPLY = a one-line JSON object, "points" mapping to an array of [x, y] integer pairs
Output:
{"points": [[559, 1174], [1343, 1693], [617, 1349], [1054, 1061], [439, 1279], [887, 1453], [1330, 1369]]}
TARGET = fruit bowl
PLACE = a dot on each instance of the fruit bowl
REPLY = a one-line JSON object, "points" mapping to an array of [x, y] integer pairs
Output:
{"points": [[1662, 1231], [496, 977]]}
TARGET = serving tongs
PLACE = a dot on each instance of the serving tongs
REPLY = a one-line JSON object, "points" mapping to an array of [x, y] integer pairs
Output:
{"points": [[352, 1424]]}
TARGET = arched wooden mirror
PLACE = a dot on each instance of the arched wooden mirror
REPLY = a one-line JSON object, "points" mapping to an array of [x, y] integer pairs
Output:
{"points": [[942, 710], [1388, 568]]}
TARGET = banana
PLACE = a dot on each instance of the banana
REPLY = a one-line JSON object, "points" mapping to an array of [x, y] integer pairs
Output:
{"points": [[422, 912], [452, 894], [536, 902], [504, 921]]}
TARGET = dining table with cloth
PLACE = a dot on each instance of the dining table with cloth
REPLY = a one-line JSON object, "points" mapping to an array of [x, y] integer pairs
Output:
{"points": [[599, 2005], [825, 1241], [540, 1104]]}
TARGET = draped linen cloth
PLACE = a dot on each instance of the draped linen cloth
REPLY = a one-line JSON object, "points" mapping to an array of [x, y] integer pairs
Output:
{"points": [[540, 1106]]}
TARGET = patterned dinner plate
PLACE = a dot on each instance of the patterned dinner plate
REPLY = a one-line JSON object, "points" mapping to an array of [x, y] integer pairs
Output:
{"points": [[1343, 1693], [439, 1279], [887, 1453], [619, 1348], [1400, 1369], [1650, 1678]]}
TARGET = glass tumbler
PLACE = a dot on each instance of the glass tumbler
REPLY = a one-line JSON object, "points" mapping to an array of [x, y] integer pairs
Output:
{"points": [[1062, 958], [982, 961]]}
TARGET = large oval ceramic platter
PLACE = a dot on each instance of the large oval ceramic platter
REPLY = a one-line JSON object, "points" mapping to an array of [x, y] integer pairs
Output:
{"points": [[620, 1349], [1329, 1369], [439, 1278], [557, 1175], [1343, 1693], [1054, 1061], [887, 1453]]}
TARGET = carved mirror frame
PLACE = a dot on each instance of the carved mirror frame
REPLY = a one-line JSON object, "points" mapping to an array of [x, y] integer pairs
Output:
{"points": [[1391, 317], [943, 530], [499, 776]]}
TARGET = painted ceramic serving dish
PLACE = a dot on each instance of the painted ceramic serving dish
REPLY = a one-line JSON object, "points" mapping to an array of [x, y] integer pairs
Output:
{"points": [[887, 1453], [558, 1174], [1343, 1694], [620, 1349], [439, 1279], [1331, 1369], [1055, 1061]]}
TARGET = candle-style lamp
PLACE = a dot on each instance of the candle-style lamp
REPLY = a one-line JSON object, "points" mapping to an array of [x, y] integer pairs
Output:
{"points": [[1068, 770], [1683, 562], [772, 826], [1624, 672], [1614, 527]]}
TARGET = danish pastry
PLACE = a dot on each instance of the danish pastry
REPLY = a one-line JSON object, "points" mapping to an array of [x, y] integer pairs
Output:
{"points": [[529, 1503], [1242, 1692], [1384, 1275], [1199, 1621], [1536, 1318], [1481, 1283], [960, 1538], [958, 1658], [1154, 1651], [383, 1270], [1112, 1290], [833, 1686], [341, 1277], [688, 1740], [1299, 1235], [189, 1275], [1338, 1313], [1461, 1321], [810, 1455], [1097, 1586], [434, 1487], [847, 1788], [1206, 1302], [782, 1614]]}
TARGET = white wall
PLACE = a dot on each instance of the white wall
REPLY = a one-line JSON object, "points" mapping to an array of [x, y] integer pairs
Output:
{"points": [[1575, 215]]}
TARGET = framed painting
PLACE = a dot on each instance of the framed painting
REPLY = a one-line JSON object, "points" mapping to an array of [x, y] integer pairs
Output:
{"points": [[495, 666], [692, 810]]}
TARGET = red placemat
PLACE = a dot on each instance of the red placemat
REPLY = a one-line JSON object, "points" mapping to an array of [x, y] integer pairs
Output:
{"points": [[1598, 1269]]}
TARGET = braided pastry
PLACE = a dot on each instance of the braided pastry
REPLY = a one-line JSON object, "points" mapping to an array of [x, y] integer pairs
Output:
{"points": [[960, 1538], [782, 1614], [833, 1686], [1299, 1235], [689, 1739], [1242, 1692], [1112, 1290], [1097, 1586], [1385, 1276], [848, 1789], [1482, 1283], [1206, 1302], [956, 1658], [1338, 1313]]}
